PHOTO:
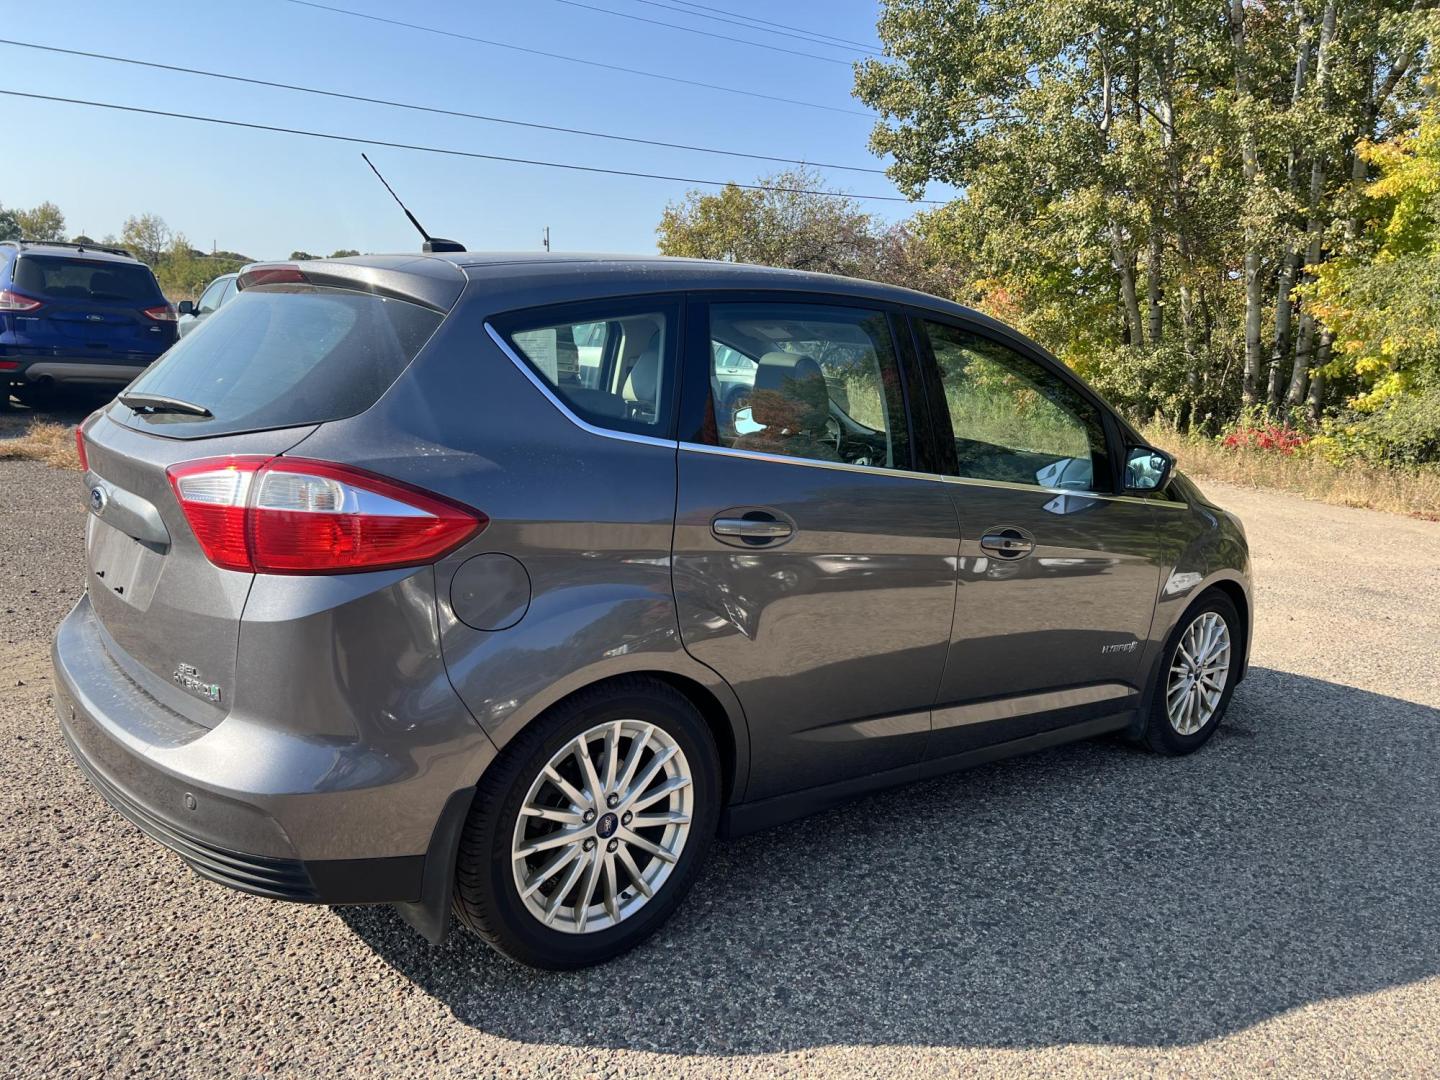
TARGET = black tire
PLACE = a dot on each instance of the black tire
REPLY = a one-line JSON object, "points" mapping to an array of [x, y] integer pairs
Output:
{"points": [[1160, 735], [486, 899]]}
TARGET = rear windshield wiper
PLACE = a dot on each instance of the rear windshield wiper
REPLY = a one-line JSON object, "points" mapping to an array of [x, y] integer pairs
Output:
{"points": [[159, 403]]}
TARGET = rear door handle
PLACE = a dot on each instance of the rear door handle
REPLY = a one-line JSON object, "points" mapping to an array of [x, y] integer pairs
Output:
{"points": [[1007, 544], [751, 530]]}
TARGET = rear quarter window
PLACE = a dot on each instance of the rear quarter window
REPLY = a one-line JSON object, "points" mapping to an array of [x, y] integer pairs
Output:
{"points": [[83, 279], [281, 355]]}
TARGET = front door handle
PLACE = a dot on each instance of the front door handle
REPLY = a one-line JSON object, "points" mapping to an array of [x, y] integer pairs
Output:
{"points": [[1007, 544], [751, 530]]}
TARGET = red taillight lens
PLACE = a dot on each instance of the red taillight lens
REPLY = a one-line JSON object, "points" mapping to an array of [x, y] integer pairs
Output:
{"points": [[161, 313], [14, 301], [292, 516], [9, 365], [80, 448], [272, 275]]}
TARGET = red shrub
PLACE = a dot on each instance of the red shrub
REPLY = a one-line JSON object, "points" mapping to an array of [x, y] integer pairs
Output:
{"points": [[1274, 437]]}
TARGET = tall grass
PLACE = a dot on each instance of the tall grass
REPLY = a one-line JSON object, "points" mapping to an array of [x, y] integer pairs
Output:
{"points": [[1401, 491]]}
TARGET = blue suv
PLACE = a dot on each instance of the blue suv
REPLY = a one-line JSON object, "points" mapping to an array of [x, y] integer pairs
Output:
{"points": [[72, 314]]}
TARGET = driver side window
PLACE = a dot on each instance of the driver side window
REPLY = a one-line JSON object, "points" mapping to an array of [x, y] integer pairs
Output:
{"points": [[809, 381], [1013, 419]]}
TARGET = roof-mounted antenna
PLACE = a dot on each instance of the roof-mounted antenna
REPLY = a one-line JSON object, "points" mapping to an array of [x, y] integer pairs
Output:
{"points": [[432, 244]]}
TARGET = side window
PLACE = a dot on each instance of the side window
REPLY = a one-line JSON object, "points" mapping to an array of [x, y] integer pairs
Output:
{"points": [[226, 294], [807, 380], [613, 367], [1013, 419], [210, 299]]}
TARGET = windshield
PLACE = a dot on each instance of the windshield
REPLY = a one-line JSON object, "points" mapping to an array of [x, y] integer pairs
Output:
{"points": [[280, 355]]}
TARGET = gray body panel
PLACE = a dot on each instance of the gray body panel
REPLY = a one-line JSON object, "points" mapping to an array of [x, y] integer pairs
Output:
{"points": [[356, 712]]}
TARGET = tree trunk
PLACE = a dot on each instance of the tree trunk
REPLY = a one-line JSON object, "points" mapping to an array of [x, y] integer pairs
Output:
{"points": [[1314, 229], [1285, 279], [1125, 267], [1315, 401], [1250, 165], [1153, 271]]}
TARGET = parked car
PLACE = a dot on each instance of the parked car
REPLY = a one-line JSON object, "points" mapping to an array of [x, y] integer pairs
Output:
{"points": [[193, 313], [397, 596], [73, 313]]}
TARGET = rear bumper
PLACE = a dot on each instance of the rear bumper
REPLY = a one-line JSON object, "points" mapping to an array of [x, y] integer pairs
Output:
{"points": [[81, 371], [232, 804]]}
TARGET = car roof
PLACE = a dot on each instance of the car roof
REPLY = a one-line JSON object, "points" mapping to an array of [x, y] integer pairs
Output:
{"points": [[82, 251]]}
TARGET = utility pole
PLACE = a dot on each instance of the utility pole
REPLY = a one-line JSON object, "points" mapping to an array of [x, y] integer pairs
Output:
{"points": [[547, 237]]}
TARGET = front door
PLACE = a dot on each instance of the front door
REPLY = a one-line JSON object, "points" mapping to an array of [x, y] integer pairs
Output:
{"points": [[813, 569], [1058, 576]]}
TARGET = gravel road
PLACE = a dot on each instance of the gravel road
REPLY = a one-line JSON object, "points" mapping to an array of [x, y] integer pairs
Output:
{"points": [[1271, 905]]}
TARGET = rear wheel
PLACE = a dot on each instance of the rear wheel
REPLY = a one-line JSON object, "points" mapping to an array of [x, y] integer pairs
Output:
{"points": [[1197, 677], [589, 829]]}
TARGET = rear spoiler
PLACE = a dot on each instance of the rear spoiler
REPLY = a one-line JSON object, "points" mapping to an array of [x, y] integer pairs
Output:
{"points": [[433, 283]]}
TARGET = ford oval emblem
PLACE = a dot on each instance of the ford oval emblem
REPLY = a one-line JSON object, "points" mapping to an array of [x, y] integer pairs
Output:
{"points": [[98, 499]]}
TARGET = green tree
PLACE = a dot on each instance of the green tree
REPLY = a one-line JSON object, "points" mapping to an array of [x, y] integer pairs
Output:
{"points": [[344, 253], [302, 256], [777, 226], [9, 225], [1147, 186], [147, 236], [43, 222]]}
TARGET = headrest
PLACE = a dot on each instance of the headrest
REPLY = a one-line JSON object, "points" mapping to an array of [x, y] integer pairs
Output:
{"points": [[643, 382], [790, 393]]}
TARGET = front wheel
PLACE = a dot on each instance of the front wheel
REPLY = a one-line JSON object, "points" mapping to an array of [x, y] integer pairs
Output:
{"points": [[1197, 676], [590, 828]]}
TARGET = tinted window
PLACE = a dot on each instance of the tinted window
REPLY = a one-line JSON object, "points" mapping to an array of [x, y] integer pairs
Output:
{"points": [[612, 366], [80, 279], [806, 380], [280, 355], [1014, 419]]}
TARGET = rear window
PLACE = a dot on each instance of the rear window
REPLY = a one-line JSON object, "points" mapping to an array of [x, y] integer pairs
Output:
{"points": [[83, 279], [281, 355]]}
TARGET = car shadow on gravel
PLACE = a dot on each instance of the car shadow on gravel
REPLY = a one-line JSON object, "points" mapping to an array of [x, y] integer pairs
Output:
{"points": [[1090, 894]]}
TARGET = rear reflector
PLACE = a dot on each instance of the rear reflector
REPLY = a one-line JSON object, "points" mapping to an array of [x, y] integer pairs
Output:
{"points": [[14, 301], [80, 448], [161, 313], [293, 516], [9, 365]]}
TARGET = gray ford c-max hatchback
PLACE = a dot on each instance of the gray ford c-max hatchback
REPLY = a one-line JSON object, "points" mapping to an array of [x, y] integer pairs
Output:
{"points": [[501, 584]]}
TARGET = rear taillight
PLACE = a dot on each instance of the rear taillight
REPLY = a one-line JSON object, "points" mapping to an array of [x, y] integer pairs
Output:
{"points": [[292, 516], [80, 450], [160, 313], [10, 300]]}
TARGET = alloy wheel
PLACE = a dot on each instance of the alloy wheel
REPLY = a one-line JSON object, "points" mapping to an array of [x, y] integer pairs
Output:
{"points": [[602, 826], [1199, 671]]}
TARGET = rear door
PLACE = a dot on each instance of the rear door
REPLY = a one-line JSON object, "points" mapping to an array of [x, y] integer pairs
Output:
{"points": [[275, 362], [1058, 575], [813, 567], [93, 310]]}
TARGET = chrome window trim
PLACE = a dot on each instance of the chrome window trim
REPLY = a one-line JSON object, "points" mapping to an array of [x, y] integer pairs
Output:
{"points": [[782, 459], [550, 395], [1011, 485], [814, 463]]}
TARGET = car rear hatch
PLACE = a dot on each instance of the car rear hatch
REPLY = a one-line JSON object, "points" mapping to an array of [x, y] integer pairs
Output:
{"points": [[93, 310], [252, 383]]}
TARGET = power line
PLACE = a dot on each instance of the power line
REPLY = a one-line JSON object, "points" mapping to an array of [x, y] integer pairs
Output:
{"points": [[452, 152], [431, 109], [782, 26], [703, 33], [575, 59]]}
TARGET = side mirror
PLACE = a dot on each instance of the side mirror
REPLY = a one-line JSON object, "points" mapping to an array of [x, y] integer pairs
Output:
{"points": [[185, 307], [1147, 469]]}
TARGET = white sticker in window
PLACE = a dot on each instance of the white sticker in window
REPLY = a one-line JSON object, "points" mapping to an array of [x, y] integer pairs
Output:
{"points": [[539, 348]]}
